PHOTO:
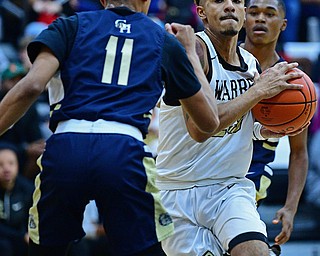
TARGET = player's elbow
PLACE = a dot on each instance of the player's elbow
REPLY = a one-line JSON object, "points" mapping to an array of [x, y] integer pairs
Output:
{"points": [[32, 88], [202, 133], [209, 125], [199, 138]]}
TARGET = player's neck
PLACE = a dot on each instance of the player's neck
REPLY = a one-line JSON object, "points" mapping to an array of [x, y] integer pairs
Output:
{"points": [[114, 5], [134, 6], [226, 47]]}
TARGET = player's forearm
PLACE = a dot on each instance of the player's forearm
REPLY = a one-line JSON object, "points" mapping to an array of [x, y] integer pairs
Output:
{"points": [[26, 91], [232, 110], [298, 169], [209, 105], [14, 105], [195, 61]]}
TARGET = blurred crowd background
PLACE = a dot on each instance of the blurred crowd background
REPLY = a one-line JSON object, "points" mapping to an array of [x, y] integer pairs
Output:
{"points": [[20, 147]]}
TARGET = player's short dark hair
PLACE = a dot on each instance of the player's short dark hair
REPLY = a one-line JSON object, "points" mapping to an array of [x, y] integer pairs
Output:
{"points": [[281, 5], [197, 2]]}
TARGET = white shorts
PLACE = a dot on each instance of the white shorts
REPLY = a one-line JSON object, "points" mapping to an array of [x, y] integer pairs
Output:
{"points": [[207, 218]]}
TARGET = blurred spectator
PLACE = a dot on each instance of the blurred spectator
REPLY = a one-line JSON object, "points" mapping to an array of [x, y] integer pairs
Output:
{"points": [[33, 29], [310, 20], [85, 5], [45, 11], [26, 133], [15, 201], [157, 11], [4, 61], [13, 19], [183, 12], [291, 33], [22, 51]]}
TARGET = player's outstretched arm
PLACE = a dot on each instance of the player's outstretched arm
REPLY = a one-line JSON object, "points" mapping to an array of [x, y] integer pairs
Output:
{"points": [[18, 100], [297, 173]]}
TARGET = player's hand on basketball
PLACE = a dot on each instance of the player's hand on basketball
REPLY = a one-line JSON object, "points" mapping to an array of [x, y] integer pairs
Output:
{"points": [[267, 134], [285, 216], [299, 130], [275, 79], [184, 33]]}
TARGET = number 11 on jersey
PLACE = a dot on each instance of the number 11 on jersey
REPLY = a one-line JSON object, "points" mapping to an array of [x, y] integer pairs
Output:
{"points": [[126, 54]]}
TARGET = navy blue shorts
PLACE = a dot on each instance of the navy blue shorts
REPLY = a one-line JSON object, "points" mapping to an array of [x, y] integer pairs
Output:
{"points": [[114, 170]]}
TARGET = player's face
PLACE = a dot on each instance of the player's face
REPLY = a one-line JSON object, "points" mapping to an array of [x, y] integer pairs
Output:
{"points": [[264, 21], [8, 166], [224, 17]]}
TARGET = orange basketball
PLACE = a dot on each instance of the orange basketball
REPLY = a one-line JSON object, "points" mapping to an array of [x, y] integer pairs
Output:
{"points": [[289, 110]]}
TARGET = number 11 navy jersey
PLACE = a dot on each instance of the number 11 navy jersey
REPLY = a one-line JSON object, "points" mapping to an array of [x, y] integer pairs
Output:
{"points": [[132, 57]]}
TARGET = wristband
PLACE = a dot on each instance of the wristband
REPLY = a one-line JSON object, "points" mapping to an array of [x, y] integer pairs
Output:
{"points": [[257, 131]]}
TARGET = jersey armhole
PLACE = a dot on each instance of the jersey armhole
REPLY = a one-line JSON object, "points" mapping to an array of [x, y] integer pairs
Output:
{"points": [[207, 68]]}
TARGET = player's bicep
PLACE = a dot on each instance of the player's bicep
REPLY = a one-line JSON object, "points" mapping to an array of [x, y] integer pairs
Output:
{"points": [[44, 67]]}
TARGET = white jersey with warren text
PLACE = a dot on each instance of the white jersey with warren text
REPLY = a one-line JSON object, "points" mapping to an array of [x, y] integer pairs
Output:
{"points": [[184, 163]]}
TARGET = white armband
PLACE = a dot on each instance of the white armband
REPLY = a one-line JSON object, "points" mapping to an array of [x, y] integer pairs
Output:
{"points": [[257, 131]]}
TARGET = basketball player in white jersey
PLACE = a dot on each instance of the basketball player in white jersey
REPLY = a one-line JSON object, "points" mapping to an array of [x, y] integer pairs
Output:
{"points": [[203, 184]]}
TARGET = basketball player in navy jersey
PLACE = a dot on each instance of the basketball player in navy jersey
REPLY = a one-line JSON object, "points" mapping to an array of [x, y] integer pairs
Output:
{"points": [[112, 64], [265, 20], [203, 185]]}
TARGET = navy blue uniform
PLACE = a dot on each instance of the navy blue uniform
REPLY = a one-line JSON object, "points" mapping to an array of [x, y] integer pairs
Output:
{"points": [[259, 171], [114, 65]]}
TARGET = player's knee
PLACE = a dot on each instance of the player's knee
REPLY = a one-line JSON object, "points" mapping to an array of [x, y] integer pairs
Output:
{"points": [[251, 248]]}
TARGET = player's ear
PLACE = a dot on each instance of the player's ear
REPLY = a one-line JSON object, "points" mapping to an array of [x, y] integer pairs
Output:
{"points": [[284, 25], [201, 12]]}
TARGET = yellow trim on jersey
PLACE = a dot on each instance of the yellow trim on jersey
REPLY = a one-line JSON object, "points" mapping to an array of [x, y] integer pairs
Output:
{"points": [[57, 107], [163, 231], [33, 212], [268, 146], [264, 184], [147, 115]]}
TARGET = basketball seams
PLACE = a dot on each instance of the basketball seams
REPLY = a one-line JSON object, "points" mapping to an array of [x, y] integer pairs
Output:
{"points": [[313, 94], [282, 113], [287, 103], [291, 120]]}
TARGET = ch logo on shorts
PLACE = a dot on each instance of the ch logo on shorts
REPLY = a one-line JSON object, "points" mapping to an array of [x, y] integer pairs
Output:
{"points": [[32, 223], [208, 253], [165, 219]]}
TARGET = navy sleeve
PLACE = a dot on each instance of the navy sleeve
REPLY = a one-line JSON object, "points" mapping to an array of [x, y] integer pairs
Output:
{"points": [[58, 37], [177, 72]]}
